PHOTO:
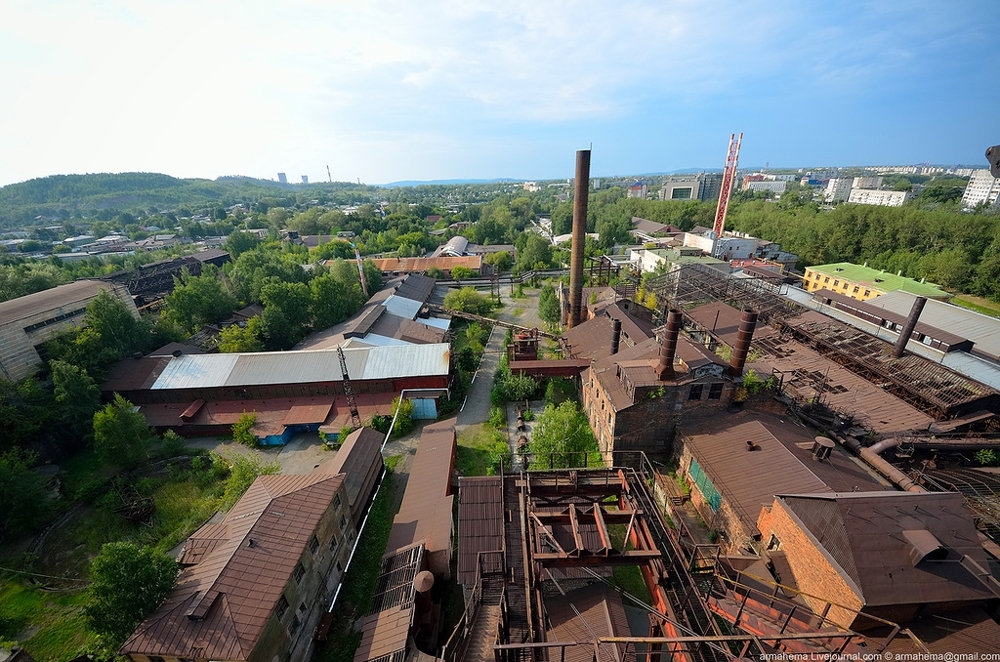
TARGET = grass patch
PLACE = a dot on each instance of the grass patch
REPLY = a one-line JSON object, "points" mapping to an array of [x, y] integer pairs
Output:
{"points": [[629, 579], [478, 447], [978, 304], [54, 620], [359, 583], [392, 461]]}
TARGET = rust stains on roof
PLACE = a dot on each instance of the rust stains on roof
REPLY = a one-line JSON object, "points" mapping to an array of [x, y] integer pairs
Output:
{"points": [[237, 570], [360, 460]]}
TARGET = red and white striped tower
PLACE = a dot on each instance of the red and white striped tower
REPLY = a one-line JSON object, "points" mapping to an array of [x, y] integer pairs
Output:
{"points": [[728, 175]]}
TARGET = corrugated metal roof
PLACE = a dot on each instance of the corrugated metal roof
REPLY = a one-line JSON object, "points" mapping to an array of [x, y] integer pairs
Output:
{"points": [[480, 522], [360, 460], [416, 287], [253, 369], [402, 307], [983, 330], [56, 297], [426, 510], [443, 323], [601, 614]]}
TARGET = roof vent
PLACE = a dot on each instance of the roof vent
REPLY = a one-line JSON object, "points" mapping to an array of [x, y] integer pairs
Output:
{"points": [[752, 446], [925, 546], [822, 447], [251, 543]]}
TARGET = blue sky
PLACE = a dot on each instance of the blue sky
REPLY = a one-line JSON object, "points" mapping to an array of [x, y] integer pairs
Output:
{"points": [[386, 90]]}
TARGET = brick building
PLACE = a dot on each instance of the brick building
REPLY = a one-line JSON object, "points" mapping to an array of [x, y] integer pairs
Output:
{"points": [[635, 399], [894, 555], [255, 585]]}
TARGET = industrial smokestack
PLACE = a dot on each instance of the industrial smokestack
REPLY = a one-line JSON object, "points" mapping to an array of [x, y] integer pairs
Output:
{"points": [[579, 235], [748, 321], [911, 323], [665, 367], [616, 335]]}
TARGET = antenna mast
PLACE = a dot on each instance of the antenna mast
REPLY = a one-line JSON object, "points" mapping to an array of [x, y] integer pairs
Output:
{"points": [[728, 175]]}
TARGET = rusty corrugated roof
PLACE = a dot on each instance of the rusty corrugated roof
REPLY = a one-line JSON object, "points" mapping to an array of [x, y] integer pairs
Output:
{"points": [[480, 522], [426, 510], [360, 460], [242, 566], [601, 614], [724, 321], [51, 299]]}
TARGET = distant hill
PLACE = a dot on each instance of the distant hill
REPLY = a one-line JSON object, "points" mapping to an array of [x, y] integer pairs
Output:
{"points": [[59, 195]]}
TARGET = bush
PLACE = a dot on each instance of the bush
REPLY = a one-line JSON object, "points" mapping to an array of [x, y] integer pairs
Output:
{"points": [[497, 418], [404, 417], [173, 444], [243, 429]]}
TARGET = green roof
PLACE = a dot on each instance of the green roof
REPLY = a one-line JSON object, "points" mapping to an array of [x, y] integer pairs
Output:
{"points": [[669, 255], [880, 280]]}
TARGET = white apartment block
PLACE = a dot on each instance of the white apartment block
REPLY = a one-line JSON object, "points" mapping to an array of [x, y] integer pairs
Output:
{"points": [[867, 182], [861, 196], [982, 187], [773, 187], [838, 189]]}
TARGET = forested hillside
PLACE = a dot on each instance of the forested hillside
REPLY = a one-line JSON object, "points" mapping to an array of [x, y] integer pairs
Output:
{"points": [[84, 196]]}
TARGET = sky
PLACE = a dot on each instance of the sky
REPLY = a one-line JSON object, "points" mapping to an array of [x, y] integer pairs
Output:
{"points": [[388, 90]]}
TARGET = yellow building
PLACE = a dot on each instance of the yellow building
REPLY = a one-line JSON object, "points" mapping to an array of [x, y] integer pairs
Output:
{"points": [[863, 283]]}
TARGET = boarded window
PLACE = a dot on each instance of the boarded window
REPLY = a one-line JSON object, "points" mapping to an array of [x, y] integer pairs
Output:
{"points": [[298, 573], [313, 545], [282, 608]]}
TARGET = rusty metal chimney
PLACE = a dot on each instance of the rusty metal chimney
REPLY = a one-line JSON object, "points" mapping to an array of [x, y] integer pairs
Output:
{"points": [[911, 323], [748, 321], [665, 367], [616, 335], [580, 194]]}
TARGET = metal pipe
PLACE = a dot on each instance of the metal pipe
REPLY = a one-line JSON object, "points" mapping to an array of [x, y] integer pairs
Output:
{"points": [[668, 348], [748, 322], [580, 194], [911, 323], [616, 335]]}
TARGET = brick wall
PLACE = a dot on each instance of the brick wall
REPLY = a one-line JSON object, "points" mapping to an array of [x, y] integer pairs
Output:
{"points": [[813, 570]]}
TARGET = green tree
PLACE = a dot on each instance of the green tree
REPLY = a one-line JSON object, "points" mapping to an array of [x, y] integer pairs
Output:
{"points": [[333, 299], [462, 273], [77, 396], [236, 338], [537, 253], [243, 429], [112, 321], [500, 261], [25, 410], [548, 305], [403, 411], [24, 503], [243, 471], [128, 583], [468, 300], [198, 300], [562, 437], [120, 433], [286, 314]]}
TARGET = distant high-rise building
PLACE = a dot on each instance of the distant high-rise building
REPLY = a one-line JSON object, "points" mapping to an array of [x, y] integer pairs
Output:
{"points": [[637, 190], [305, 179], [981, 188], [711, 186], [282, 178], [838, 189]]}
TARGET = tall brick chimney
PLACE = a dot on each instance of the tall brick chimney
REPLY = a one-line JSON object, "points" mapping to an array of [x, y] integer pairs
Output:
{"points": [[616, 335], [748, 321], [911, 324], [668, 348], [581, 191]]}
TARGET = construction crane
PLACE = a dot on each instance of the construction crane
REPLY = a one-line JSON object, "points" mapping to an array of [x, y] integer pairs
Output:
{"points": [[728, 175], [352, 404]]}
